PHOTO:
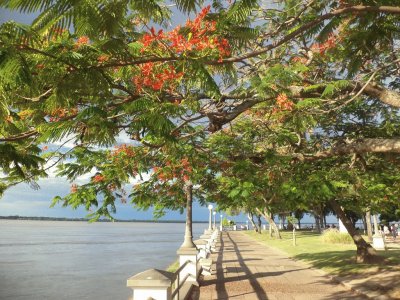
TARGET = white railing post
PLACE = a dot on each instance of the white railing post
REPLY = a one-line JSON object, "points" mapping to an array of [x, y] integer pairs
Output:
{"points": [[154, 284], [202, 246], [186, 254]]}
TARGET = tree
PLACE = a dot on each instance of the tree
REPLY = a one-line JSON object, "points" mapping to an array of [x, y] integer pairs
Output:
{"points": [[319, 76], [89, 89]]}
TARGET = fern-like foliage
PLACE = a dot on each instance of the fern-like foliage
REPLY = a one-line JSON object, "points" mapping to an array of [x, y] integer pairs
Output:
{"points": [[93, 18]]}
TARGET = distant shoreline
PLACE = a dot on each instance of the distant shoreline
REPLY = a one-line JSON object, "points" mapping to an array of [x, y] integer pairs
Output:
{"points": [[86, 220]]}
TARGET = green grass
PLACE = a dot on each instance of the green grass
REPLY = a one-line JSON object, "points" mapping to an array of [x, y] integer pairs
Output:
{"points": [[333, 258], [333, 236], [173, 267]]}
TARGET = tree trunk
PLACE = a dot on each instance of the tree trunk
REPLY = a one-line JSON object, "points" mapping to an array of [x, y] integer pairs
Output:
{"points": [[321, 221], [188, 241], [325, 221], [369, 225], [317, 222], [259, 223], [251, 218], [270, 219], [365, 252]]}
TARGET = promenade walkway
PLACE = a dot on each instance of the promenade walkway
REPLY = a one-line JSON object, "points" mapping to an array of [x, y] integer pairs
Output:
{"points": [[248, 270]]}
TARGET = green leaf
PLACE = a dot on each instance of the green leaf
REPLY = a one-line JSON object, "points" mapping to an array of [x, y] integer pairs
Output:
{"points": [[328, 91]]}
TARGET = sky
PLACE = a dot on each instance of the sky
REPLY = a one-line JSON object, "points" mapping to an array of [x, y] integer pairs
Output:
{"points": [[24, 201]]}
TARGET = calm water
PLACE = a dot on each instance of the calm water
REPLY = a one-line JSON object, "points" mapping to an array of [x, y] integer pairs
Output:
{"points": [[77, 260]]}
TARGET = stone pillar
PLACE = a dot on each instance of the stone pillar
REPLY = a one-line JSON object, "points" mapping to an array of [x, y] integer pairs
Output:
{"points": [[154, 284], [202, 247], [378, 242], [186, 254], [376, 226]]}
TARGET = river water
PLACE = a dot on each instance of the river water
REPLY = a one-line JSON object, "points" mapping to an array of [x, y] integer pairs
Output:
{"points": [[78, 260]]}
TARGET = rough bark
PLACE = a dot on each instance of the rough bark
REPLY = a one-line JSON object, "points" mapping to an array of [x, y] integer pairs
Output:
{"points": [[188, 241], [356, 146], [269, 218], [317, 222], [270, 230], [315, 22], [365, 252], [379, 92], [250, 216], [259, 223], [321, 221], [369, 225], [383, 94]]}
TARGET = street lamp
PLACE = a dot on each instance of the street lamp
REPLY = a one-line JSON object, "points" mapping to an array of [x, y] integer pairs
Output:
{"points": [[210, 207], [214, 213]]}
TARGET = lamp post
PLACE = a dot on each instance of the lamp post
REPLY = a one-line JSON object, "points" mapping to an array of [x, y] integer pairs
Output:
{"points": [[220, 222], [214, 213], [210, 207]]}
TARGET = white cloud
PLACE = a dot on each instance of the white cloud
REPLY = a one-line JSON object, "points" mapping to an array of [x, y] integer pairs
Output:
{"points": [[123, 138], [66, 142], [137, 179]]}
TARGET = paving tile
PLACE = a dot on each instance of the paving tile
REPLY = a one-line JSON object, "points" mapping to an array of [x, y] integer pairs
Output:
{"points": [[248, 270]]}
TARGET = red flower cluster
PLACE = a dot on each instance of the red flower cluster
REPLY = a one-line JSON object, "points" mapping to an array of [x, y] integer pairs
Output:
{"points": [[58, 114], [123, 150], [182, 169], [98, 178], [328, 44], [200, 37], [155, 76], [283, 102], [124, 155], [74, 188], [103, 58], [186, 170], [83, 40], [302, 60], [148, 39]]}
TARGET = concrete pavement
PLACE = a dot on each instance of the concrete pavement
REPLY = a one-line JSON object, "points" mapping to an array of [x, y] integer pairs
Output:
{"points": [[248, 270]]}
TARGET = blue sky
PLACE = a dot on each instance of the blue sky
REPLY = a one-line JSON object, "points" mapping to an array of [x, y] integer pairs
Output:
{"points": [[24, 201]]}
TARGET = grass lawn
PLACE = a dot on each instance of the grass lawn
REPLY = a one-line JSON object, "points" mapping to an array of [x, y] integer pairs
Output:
{"points": [[174, 266], [333, 258]]}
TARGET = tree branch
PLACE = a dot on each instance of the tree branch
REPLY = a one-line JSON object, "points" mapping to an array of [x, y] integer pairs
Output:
{"points": [[367, 145], [309, 25]]}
